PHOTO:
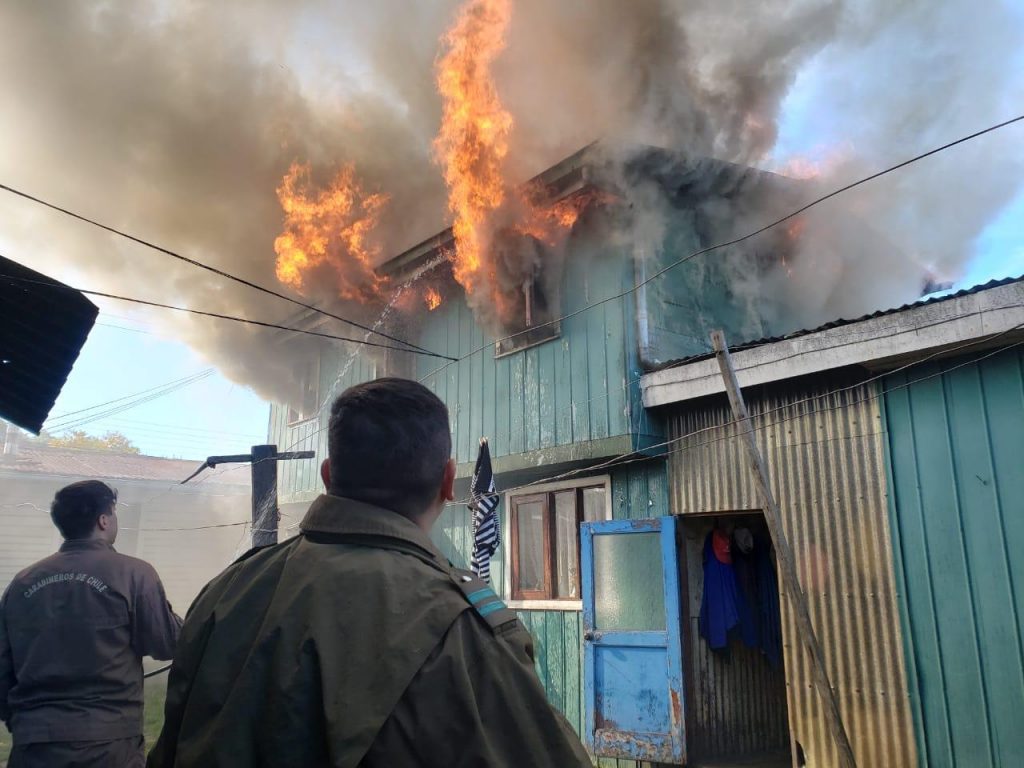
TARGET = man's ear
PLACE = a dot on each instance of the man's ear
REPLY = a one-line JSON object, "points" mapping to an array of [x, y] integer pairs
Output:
{"points": [[325, 473], [104, 521], [448, 483]]}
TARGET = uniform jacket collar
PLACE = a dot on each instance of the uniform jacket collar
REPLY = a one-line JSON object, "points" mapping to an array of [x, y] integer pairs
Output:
{"points": [[78, 545], [341, 516]]}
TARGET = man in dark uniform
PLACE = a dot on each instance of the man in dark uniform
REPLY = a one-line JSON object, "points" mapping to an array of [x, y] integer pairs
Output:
{"points": [[73, 630], [356, 643]]}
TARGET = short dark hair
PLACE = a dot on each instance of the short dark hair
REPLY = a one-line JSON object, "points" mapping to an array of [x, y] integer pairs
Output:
{"points": [[78, 506], [388, 445]]}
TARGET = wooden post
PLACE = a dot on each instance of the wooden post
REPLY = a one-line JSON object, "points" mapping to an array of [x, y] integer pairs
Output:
{"points": [[787, 563], [264, 495], [263, 460]]}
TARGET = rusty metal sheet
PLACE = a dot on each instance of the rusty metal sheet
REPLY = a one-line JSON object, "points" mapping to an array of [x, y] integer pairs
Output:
{"points": [[826, 461]]}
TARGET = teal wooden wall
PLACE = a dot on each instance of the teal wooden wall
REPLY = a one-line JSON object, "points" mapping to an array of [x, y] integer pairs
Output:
{"points": [[956, 443], [639, 490], [576, 389], [572, 398], [705, 293]]}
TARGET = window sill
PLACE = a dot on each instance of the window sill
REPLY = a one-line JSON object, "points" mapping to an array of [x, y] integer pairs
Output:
{"points": [[545, 605]]}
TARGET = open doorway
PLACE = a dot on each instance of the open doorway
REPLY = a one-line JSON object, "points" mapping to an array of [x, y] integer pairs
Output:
{"points": [[734, 671]]}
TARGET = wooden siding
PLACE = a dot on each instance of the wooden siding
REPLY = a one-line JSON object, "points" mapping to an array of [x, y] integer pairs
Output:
{"points": [[572, 390], [572, 393], [691, 300], [956, 442]]}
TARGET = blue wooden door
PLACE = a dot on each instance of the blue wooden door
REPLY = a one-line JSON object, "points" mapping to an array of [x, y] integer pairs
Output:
{"points": [[633, 680]]}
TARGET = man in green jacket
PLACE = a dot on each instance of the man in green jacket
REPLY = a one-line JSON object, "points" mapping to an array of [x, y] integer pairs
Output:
{"points": [[356, 643]]}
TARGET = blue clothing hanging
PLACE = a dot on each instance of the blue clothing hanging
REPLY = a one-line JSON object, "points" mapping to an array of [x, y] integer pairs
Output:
{"points": [[721, 601]]}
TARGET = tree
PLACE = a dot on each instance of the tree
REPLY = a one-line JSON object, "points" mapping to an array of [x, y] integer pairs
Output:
{"points": [[115, 442]]}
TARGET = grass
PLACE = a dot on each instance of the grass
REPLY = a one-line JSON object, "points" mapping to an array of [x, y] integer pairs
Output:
{"points": [[153, 719]]}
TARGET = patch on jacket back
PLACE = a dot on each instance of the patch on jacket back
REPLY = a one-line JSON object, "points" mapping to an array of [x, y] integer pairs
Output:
{"points": [[484, 600]]}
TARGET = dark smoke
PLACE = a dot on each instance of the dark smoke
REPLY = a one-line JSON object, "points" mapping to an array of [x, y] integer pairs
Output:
{"points": [[177, 122]]}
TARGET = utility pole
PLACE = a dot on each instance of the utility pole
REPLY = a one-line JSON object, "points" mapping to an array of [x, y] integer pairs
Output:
{"points": [[263, 458], [787, 562]]}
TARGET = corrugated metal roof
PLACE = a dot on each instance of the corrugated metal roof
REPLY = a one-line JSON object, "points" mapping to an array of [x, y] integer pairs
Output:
{"points": [[104, 465], [842, 321], [42, 329]]}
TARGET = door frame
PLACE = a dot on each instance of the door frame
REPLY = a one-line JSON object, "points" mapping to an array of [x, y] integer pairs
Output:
{"points": [[675, 750]]}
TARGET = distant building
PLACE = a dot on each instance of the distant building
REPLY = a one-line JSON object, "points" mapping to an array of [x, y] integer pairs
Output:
{"points": [[151, 507]]}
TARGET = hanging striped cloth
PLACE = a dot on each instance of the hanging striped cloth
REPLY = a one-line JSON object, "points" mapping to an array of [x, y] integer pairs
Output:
{"points": [[483, 507]]}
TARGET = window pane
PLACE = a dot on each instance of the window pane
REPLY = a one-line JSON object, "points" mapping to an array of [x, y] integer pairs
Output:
{"points": [[567, 542], [530, 522], [594, 503], [628, 589]]}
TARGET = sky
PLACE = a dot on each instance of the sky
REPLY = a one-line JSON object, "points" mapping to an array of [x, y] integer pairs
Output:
{"points": [[127, 353], [124, 355]]}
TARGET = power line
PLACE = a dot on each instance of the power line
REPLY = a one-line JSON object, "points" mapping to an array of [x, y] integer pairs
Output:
{"points": [[123, 328], [128, 405], [198, 431], [631, 457], [848, 339], [207, 267], [735, 241], [199, 374], [232, 318]]}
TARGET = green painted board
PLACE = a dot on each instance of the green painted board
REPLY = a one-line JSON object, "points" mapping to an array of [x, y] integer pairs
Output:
{"points": [[548, 394], [955, 444], [531, 401]]}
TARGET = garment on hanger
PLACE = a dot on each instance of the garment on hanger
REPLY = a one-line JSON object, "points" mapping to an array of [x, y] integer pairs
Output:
{"points": [[720, 603]]}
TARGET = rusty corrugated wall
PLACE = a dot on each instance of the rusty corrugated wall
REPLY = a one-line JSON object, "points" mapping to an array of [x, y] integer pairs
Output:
{"points": [[828, 473], [736, 700]]}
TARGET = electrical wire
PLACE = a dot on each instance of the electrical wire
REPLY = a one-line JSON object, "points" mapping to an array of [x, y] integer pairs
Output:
{"points": [[647, 455], [123, 328], [734, 241], [201, 265], [232, 318], [625, 458], [843, 340], [80, 421], [203, 373]]}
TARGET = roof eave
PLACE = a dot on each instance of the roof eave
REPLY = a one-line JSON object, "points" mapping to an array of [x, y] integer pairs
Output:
{"points": [[561, 180], [974, 322]]}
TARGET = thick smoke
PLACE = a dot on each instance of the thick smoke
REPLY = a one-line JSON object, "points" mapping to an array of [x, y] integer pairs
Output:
{"points": [[178, 121], [178, 125], [891, 86]]}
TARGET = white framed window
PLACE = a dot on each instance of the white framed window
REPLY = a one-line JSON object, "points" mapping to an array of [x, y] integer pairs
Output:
{"points": [[307, 397], [542, 555]]}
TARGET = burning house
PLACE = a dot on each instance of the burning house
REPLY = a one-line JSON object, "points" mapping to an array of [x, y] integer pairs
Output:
{"points": [[567, 320], [546, 362]]}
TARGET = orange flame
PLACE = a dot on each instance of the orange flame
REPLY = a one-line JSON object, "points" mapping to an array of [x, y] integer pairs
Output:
{"points": [[823, 163], [795, 228], [472, 146], [329, 227], [432, 299], [475, 127]]}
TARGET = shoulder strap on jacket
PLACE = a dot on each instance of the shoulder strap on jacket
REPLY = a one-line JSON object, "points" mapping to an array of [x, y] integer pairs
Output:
{"points": [[484, 600]]}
